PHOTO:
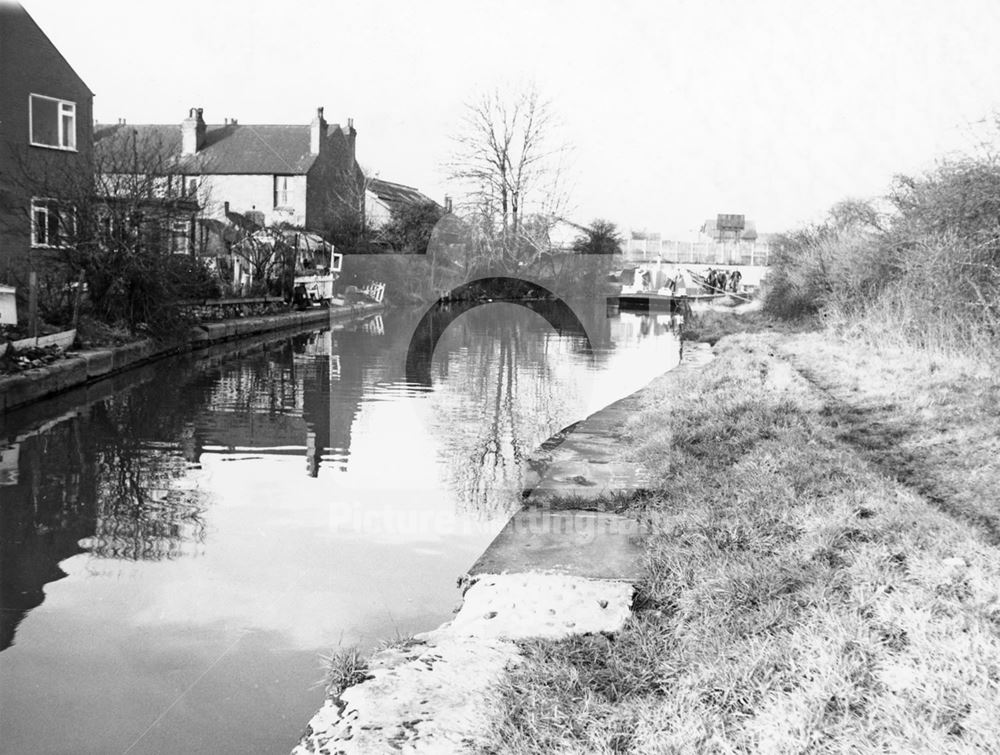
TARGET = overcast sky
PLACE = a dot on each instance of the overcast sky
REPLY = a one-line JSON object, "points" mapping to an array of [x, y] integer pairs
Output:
{"points": [[676, 110]]}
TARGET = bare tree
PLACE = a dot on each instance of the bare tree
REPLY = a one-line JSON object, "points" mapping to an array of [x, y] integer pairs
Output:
{"points": [[510, 161], [349, 227], [128, 225]]}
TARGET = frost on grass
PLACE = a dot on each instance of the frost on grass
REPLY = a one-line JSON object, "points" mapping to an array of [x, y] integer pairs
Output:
{"points": [[797, 597]]}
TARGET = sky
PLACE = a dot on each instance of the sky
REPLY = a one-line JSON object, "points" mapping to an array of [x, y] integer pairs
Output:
{"points": [[675, 111]]}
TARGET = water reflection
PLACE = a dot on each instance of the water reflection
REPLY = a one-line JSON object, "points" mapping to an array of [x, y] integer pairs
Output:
{"points": [[112, 478], [505, 380], [560, 315], [200, 500]]}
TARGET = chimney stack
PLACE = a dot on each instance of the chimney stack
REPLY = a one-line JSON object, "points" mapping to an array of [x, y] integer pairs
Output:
{"points": [[317, 132], [351, 135], [192, 132]]}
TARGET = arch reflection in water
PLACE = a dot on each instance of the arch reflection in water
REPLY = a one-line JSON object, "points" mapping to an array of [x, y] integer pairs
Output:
{"points": [[559, 314]]}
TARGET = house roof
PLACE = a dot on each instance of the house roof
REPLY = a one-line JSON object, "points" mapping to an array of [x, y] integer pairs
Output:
{"points": [[393, 193], [228, 149], [8, 18]]}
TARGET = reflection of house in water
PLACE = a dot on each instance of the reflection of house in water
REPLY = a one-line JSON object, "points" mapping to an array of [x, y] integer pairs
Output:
{"points": [[41, 521], [86, 483], [299, 397], [110, 478]]}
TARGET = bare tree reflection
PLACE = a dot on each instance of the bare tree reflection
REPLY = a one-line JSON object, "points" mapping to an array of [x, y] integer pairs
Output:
{"points": [[497, 403], [145, 507]]}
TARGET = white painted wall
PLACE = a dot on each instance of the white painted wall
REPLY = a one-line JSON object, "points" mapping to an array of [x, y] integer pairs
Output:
{"points": [[8, 306], [253, 192], [376, 211]]}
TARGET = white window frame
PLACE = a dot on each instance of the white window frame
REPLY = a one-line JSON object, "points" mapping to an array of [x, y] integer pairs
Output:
{"points": [[180, 236], [65, 219], [285, 193], [64, 107]]}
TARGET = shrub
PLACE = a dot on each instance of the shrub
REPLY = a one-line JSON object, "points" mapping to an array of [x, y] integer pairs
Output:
{"points": [[928, 276], [143, 290]]}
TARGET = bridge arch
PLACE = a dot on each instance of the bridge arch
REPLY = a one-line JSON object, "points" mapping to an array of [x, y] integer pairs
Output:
{"points": [[437, 319]]}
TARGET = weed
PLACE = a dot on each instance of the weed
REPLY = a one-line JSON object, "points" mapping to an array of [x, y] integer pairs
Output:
{"points": [[344, 668]]}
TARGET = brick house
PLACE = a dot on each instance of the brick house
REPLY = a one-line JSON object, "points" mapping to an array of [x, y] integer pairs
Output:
{"points": [[46, 143]]}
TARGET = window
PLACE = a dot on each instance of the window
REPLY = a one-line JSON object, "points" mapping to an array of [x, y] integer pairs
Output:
{"points": [[52, 122], [282, 191], [52, 224], [181, 236]]}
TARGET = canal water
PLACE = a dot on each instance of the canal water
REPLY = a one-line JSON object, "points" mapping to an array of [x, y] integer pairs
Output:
{"points": [[180, 544]]}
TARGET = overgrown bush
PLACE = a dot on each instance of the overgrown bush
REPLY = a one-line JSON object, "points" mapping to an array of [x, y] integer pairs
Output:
{"points": [[924, 274], [56, 295], [143, 290]]}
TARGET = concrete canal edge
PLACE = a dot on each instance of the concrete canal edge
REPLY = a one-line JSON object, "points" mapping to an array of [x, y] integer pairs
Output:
{"points": [[553, 571], [82, 367]]}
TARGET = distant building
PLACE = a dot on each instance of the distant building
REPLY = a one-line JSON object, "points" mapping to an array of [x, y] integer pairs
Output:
{"points": [[710, 231], [715, 246], [46, 140], [382, 197]]}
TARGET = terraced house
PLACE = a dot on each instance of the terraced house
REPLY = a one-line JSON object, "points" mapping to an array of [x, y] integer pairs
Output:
{"points": [[46, 146]]}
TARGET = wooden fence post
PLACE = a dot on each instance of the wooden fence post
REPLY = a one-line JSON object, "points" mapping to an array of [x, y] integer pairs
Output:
{"points": [[76, 301], [33, 304]]}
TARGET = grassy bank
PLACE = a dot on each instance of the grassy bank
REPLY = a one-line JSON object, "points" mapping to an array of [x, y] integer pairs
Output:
{"points": [[809, 587], [709, 325]]}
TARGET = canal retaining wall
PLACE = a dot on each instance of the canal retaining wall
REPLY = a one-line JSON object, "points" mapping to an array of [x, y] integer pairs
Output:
{"points": [[81, 367], [561, 566]]}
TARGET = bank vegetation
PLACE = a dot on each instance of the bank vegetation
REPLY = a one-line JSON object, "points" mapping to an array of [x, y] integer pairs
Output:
{"points": [[822, 570], [917, 269]]}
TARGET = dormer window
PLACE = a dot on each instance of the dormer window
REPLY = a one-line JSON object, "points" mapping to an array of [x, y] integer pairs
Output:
{"points": [[52, 122]]}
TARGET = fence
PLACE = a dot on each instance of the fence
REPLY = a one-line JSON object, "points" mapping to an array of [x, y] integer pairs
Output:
{"points": [[697, 252]]}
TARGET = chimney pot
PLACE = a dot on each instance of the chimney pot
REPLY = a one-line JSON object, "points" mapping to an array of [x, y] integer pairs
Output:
{"points": [[192, 132], [317, 132]]}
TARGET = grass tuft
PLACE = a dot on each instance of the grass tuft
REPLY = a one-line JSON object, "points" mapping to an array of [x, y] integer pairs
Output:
{"points": [[344, 668]]}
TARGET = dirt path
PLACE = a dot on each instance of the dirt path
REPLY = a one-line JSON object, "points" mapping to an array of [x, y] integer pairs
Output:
{"points": [[891, 427]]}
